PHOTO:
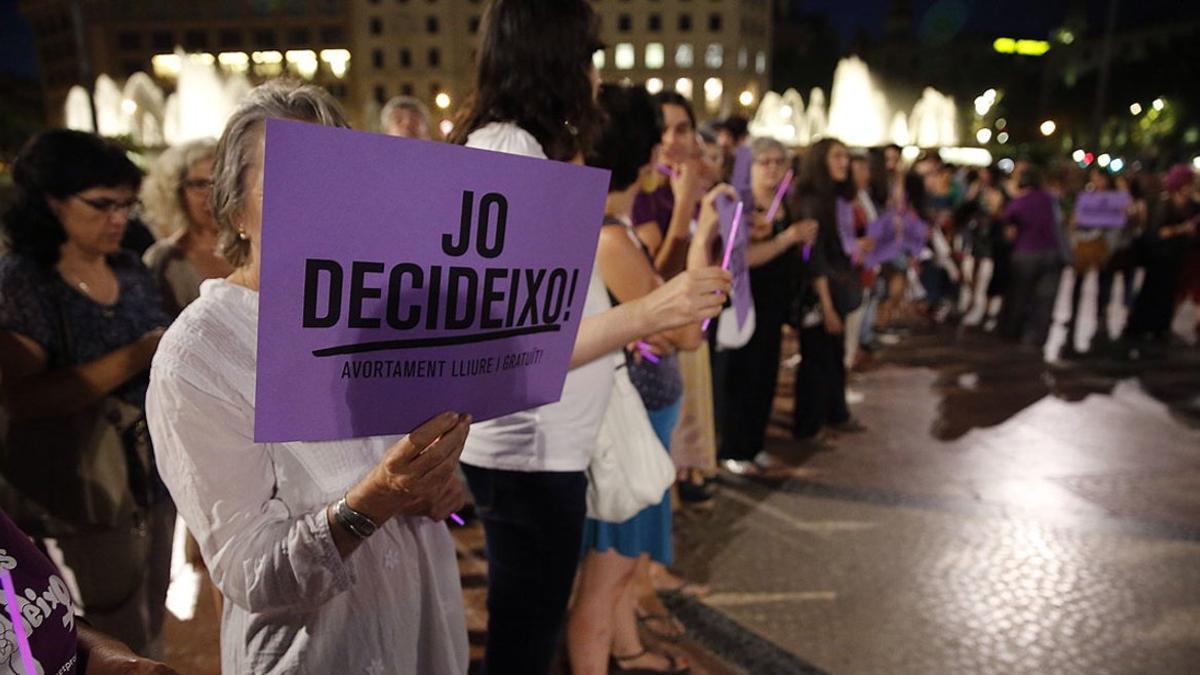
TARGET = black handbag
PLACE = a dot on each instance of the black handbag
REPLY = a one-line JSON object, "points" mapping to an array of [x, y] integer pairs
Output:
{"points": [[90, 471]]}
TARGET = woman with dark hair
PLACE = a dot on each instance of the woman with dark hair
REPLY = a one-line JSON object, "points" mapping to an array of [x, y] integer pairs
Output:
{"points": [[80, 319], [535, 95], [829, 291], [663, 216], [984, 203], [603, 620]]}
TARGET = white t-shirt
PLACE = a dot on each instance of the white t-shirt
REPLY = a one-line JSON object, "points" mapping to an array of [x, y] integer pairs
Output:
{"points": [[559, 436]]}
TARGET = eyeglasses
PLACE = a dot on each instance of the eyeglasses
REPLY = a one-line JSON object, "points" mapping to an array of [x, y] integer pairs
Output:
{"points": [[198, 184], [111, 206]]}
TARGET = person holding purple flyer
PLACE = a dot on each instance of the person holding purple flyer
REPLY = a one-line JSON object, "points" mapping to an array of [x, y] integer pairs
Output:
{"points": [[331, 556], [535, 95], [829, 291]]}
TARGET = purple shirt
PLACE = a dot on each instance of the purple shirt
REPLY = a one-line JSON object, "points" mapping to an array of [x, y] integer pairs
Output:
{"points": [[1033, 214], [47, 615], [654, 207]]}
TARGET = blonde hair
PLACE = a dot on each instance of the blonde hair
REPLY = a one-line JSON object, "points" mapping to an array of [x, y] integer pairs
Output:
{"points": [[282, 99], [162, 190]]}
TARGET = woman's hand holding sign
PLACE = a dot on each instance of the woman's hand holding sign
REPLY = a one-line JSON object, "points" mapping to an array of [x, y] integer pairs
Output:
{"points": [[417, 477]]}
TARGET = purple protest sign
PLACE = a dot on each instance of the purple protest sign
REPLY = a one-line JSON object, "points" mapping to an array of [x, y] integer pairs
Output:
{"points": [[737, 240], [739, 177], [403, 278], [888, 243], [845, 228], [1101, 208]]}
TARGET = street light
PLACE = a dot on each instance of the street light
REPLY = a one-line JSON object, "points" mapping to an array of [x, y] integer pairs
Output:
{"points": [[442, 100], [1002, 137], [1103, 160], [1048, 127], [1159, 104], [983, 136], [746, 98], [1078, 155], [1135, 109]]}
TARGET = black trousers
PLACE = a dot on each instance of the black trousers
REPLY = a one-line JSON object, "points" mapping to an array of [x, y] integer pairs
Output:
{"points": [[1029, 303], [820, 382], [533, 522], [1104, 296], [749, 391]]}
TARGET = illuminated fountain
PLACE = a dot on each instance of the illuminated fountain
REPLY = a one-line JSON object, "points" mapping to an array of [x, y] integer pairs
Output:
{"points": [[859, 114], [198, 108]]}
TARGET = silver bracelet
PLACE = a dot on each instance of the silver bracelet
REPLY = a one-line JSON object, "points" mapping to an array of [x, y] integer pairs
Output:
{"points": [[354, 522]]}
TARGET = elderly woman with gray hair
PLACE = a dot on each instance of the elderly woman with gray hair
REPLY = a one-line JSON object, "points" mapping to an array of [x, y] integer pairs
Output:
{"points": [[332, 557], [176, 195], [773, 255]]}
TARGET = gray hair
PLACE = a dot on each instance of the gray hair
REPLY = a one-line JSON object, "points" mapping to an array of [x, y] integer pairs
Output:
{"points": [[282, 99], [162, 191], [763, 144], [402, 103]]}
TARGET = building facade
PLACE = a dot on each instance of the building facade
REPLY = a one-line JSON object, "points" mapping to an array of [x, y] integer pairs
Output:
{"points": [[367, 51]]}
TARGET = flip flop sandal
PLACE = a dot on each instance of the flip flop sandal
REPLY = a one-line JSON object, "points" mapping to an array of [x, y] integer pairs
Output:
{"points": [[676, 632], [614, 665]]}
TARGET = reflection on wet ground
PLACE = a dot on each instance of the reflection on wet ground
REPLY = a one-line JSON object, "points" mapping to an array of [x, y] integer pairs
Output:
{"points": [[1000, 515]]}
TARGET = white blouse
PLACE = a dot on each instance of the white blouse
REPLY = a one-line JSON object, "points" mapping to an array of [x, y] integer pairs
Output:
{"points": [[559, 436], [292, 605]]}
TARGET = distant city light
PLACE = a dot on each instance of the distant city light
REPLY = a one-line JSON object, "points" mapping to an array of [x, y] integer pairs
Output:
{"points": [[654, 85], [1021, 47], [1078, 155], [1103, 160], [442, 100], [1117, 164], [1135, 109], [713, 88], [303, 62], [910, 153], [1196, 162], [128, 106], [1002, 137], [1006, 165], [1088, 158], [984, 102], [746, 98], [983, 135], [1001, 123], [1048, 127], [446, 126], [684, 86], [1159, 104]]}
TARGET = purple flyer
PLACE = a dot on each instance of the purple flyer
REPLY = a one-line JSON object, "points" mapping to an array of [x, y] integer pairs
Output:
{"points": [[1102, 209], [743, 300], [403, 278]]}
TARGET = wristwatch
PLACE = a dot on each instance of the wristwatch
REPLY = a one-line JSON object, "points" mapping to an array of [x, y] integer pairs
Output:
{"points": [[358, 524]]}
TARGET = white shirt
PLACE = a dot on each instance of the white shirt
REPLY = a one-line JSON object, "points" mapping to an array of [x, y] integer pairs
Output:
{"points": [[292, 605], [560, 436]]}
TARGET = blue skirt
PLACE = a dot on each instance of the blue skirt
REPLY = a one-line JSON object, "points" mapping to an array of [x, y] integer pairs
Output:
{"points": [[650, 530]]}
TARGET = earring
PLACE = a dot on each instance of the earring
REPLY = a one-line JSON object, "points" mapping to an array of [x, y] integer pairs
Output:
{"points": [[242, 235]]}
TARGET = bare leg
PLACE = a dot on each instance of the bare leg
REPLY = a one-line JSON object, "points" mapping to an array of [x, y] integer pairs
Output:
{"points": [[603, 580]]}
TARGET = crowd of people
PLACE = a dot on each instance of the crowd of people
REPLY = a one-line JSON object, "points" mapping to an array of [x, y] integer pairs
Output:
{"points": [[128, 336]]}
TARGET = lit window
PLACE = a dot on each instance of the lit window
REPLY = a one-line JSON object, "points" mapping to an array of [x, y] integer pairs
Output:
{"points": [[713, 88], [338, 60], [684, 86], [760, 63], [743, 58], [623, 56], [684, 57], [714, 56], [654, 55], [302, 62], [598, 59]]}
